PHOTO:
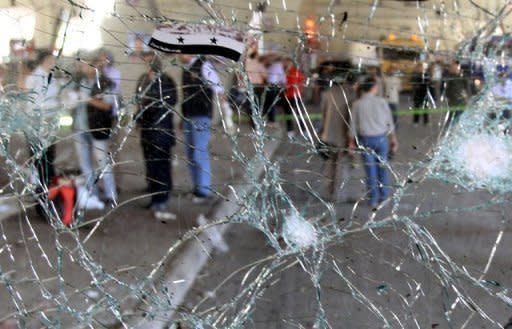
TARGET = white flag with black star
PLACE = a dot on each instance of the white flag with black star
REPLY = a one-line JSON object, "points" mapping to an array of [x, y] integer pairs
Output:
{"points": [[198, 39]]}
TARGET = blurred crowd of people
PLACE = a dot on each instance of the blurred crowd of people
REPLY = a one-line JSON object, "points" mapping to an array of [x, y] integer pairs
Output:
{"points": [[93, 93], [355, 115], [359, 113], [360, 108], [355, 118], [276, 83]]}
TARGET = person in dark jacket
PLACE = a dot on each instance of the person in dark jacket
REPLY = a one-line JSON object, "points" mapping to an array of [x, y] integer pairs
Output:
{"points": [[456, 90], [421, 93], [201, 84], [157, 96], [101, 121]]}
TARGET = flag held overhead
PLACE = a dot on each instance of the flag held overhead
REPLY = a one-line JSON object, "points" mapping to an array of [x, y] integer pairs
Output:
{"points": [[198, 39]]}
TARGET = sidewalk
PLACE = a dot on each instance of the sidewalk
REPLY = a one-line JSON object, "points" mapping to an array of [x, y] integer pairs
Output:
{"points": [[127, 242]]}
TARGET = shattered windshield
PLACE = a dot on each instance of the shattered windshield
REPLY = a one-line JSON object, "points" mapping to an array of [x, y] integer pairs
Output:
{"points": [[216, 164]]}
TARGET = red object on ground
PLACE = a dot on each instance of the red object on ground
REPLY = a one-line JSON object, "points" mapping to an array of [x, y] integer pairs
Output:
{"points": [[64, 188]]}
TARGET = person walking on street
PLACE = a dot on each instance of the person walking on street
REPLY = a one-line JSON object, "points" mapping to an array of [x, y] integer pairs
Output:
{"points": [[372, 128], [421, 93], [157, 98], [392, 88], [456, 91], [335, 133], [200, 83]]}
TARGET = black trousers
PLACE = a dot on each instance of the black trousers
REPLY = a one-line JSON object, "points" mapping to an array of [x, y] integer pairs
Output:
{"points": [[44, 165], [156, 147], [289, 105], [273, 99], [46, 171], [256, 101], [416, 117], [394, 108]]}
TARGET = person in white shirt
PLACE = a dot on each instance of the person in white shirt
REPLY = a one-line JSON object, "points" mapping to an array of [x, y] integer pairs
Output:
{"points": [[43, 106]]}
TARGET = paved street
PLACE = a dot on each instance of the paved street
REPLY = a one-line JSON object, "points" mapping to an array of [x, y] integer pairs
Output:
{"points": [[126, 242], [383, 266]]}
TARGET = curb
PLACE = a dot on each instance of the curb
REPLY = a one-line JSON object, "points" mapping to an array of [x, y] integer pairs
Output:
{"points": [[187, 264]]}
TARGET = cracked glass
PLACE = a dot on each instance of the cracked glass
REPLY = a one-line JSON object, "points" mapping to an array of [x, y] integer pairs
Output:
{"points": [[209, 164]]}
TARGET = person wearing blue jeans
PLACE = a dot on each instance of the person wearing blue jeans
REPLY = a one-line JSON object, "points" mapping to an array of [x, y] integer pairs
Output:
{"points": [[373, 130], [197, 137], [374, 160], [201, 84]]}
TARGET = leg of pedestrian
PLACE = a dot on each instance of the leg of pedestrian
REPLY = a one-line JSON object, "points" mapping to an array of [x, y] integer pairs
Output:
{"points": [[370, 167], [382, 169]]}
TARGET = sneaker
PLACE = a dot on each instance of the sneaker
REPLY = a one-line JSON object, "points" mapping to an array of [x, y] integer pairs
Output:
{"points": [[94, 203], [291, 134], [199, 198], [162, 213], [86, 200]]}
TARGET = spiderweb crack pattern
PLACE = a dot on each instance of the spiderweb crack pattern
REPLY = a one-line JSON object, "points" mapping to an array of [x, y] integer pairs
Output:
{"points": [[432, 256]]}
